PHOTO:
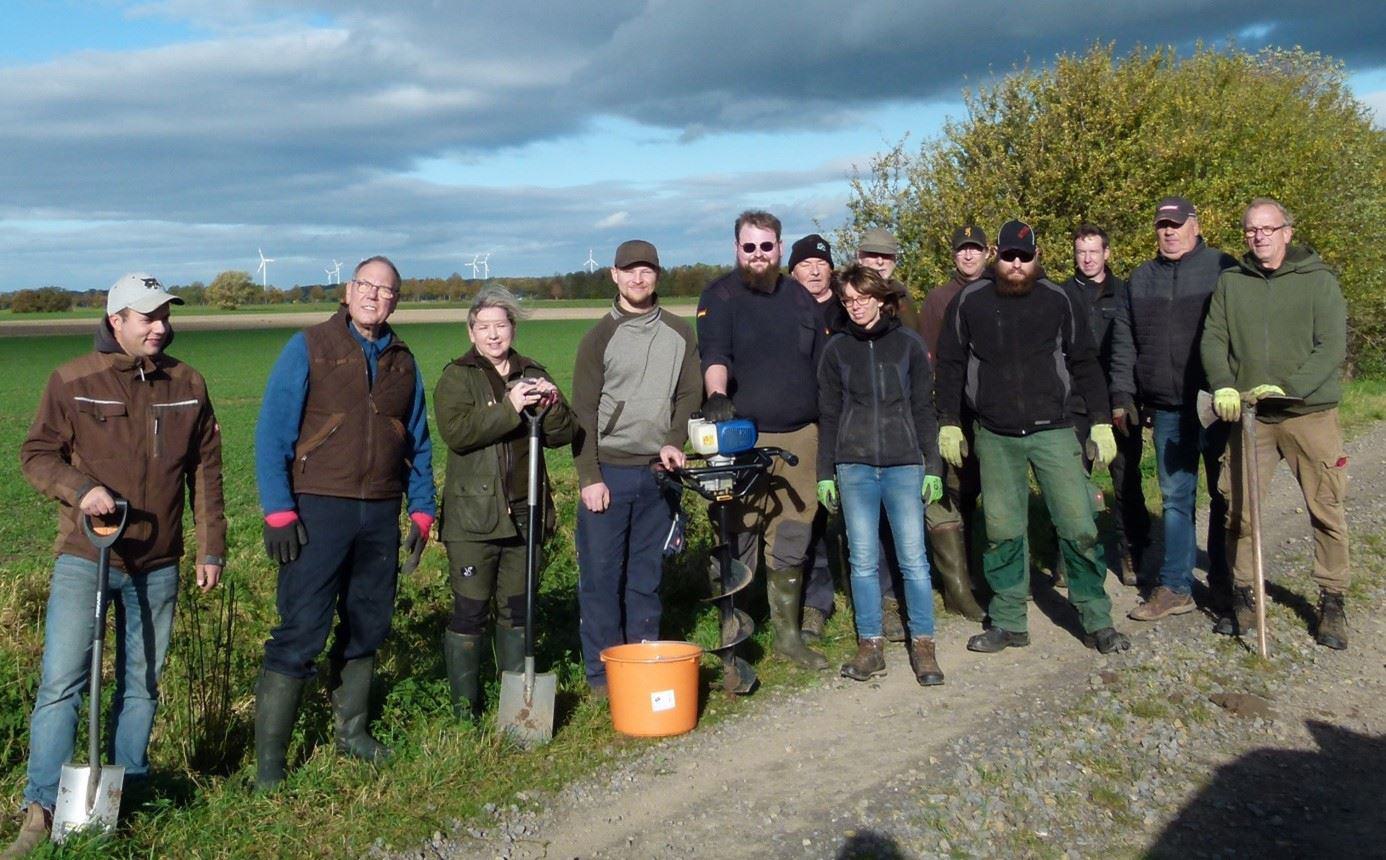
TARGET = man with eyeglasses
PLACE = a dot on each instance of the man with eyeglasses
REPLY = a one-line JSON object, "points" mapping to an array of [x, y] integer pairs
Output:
{"points": [[1155, 365], [342, 434], [880, 250], [759, 337], [950, 519], [1009, 355], [1277, 327], [1094, 280]]}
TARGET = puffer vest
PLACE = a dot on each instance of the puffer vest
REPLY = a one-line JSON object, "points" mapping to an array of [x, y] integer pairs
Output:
{"points": [[353, 441]]}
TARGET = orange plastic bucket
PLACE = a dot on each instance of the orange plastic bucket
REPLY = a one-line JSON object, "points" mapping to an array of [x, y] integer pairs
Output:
{"points": [[653, 687]]}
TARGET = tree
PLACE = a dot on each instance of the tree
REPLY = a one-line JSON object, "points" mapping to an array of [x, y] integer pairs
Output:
{"points": [[1099, 138], [42, 300], [231, 289]]}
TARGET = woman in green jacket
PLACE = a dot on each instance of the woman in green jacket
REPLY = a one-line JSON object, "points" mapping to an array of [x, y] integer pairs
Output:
{"points": [[479, 403]]}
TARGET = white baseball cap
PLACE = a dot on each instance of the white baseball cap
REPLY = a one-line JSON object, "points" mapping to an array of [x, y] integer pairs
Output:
{"points": [[138, 291]]}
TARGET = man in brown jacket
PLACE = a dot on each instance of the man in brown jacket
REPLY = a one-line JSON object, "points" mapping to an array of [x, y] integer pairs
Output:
{"points": [[125, 422]]}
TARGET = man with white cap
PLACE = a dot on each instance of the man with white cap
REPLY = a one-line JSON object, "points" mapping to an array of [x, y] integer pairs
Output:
{"points": [[125, 421]]}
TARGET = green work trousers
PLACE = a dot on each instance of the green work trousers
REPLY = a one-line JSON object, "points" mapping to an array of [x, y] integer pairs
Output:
{"points": [[1057, 459], [487, 572]]}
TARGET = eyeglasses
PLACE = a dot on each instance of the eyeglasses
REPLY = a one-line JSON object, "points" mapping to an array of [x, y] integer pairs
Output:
{"points": [[858, 301], [1264, 232], [750, 247], [368, 287], [1012, 256]]}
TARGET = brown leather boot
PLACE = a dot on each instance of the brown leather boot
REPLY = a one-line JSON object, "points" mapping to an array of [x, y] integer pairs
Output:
{"points": [[891, 624], [33, 832], [811, 627], [926, 670], [869, 662]]}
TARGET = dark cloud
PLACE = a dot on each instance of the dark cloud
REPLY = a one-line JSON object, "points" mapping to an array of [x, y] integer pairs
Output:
{"points": [[298, 124]]}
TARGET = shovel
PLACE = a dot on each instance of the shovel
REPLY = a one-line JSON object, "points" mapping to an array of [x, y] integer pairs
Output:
{"points": [[526, 699], [89, 796], [1253, 491]]}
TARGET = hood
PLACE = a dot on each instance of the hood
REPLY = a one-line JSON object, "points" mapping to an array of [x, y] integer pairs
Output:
{"points": [[105, 342], [1299, 259]]}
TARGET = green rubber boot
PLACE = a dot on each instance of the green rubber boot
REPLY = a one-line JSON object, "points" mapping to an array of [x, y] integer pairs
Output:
{"points": [[510, 649], [276, 708], [462, 657], [782, 589], [351, 697], [950, 564]]}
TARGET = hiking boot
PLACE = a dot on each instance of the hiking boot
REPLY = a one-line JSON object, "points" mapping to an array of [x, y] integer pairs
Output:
{"points": [[462, 658], [782, 587], [1332, 629], [869, 662], [892, 625], [811, 628], [1107, 640], [33, 832], [276, 709], [925, 660], [350, 711], [1161, 602], [950, 565], [1060, 571], [996, 639], [1128, 569]]}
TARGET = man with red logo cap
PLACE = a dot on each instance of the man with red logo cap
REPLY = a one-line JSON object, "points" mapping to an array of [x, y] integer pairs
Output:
{"points": [[1009, 355]]}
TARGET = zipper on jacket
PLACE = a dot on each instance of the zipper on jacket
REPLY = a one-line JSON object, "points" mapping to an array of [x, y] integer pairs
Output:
{"points": [[875, 396], [303, 461]]}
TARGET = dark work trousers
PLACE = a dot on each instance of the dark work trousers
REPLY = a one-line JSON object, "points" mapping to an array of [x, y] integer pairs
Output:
{"points": [[484, 572], [1128, 502], [349, 567], [620, 554]]}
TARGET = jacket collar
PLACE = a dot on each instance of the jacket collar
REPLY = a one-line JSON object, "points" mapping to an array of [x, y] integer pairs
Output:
{"points": [[472, 358], [105, 343]]}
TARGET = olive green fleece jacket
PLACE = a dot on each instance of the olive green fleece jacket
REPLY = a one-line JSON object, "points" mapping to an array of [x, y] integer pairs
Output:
{"points": [[1286, 327]]}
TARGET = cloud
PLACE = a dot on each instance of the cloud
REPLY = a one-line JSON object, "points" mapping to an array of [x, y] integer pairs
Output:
{"points": [[298, 124]]}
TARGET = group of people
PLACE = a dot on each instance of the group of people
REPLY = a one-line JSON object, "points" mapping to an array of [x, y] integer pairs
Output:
{"points": [[915, 413]]}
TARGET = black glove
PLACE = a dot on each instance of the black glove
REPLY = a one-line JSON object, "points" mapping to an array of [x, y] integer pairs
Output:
{"points": [[718, 408], [414, 545], [1129, 418], [282, 543]]}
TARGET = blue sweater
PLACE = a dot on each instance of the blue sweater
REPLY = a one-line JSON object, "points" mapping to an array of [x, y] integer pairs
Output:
{"points": [[281, 414]]}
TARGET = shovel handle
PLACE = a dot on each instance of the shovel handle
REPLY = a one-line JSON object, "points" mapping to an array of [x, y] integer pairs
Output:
{"points": [[101, 531]]}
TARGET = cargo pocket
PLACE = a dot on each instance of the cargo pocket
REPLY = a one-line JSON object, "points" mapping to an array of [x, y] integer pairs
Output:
{"points": [[1332, 487]]}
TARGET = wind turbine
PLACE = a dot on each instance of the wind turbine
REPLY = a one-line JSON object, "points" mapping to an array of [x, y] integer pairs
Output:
{"points": [[591, 264], [475, 265], [334, 274], [263, 269], [485, 266]]}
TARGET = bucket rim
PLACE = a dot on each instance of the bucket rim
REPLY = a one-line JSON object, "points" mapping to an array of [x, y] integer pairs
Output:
{"points": [[695, 652]]}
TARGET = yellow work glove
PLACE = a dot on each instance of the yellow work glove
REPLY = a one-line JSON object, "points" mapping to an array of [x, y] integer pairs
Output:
{"points": [[1227, 403], [827, 495], [933, 489], [1263, 391], [952, 445], [1102, 438]]}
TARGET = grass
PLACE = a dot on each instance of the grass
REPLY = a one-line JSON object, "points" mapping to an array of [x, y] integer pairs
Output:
{"points": [[7, 315], [200, 803]]}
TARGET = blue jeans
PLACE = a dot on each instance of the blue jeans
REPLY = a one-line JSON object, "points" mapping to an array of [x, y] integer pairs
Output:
{"points": [[620, 555], [1180, 442], [143, 606], [864, 489]]}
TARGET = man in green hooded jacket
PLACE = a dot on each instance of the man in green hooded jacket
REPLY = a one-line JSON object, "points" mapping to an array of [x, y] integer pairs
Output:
{"points": [[1277, 328]]}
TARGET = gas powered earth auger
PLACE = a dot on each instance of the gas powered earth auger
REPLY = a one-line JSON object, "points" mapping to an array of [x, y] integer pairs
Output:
{"points": [[734, 467]]}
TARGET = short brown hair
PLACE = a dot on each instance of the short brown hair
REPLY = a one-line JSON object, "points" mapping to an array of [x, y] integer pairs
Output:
{"points": [[756, 218], [1085, 230], [869, 282]]}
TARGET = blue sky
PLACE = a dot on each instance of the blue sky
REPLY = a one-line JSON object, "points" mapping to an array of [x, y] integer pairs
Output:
{"points": [[178, 136]]}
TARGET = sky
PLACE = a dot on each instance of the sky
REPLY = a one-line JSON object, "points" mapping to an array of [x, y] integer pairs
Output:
{"points": [[182, 137]]}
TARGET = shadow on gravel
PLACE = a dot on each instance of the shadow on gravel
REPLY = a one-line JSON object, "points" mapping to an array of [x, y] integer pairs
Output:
{"points": [[1289, 803], [870, 845]]}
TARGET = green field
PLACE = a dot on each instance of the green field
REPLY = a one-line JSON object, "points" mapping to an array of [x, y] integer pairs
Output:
{"points": [[200, 803], [308, 307]]}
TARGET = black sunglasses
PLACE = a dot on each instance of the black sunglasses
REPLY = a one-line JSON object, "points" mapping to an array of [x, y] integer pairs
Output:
{"points": [[750, 247], [1011, 256]]}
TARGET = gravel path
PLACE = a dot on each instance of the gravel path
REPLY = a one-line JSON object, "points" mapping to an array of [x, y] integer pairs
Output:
{"points": [[1187, 745]]}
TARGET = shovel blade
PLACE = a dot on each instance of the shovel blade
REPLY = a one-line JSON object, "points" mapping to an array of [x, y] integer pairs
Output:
{"points": [[528, 720], [71, 812]]}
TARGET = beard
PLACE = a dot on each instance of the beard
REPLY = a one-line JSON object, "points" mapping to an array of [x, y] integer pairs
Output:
{"points": [[1012, 284], [761, 282]]}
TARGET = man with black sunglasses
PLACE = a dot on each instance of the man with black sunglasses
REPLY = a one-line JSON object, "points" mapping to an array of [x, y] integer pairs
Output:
{"points": [[1009, 353], [759, 337]]}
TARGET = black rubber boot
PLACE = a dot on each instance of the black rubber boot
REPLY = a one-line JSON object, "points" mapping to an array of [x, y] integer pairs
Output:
{"points": [[950, 564], [510, 649], [1332, 632], [351, 698], [276, 708], [782, 589], [462, 657]]}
